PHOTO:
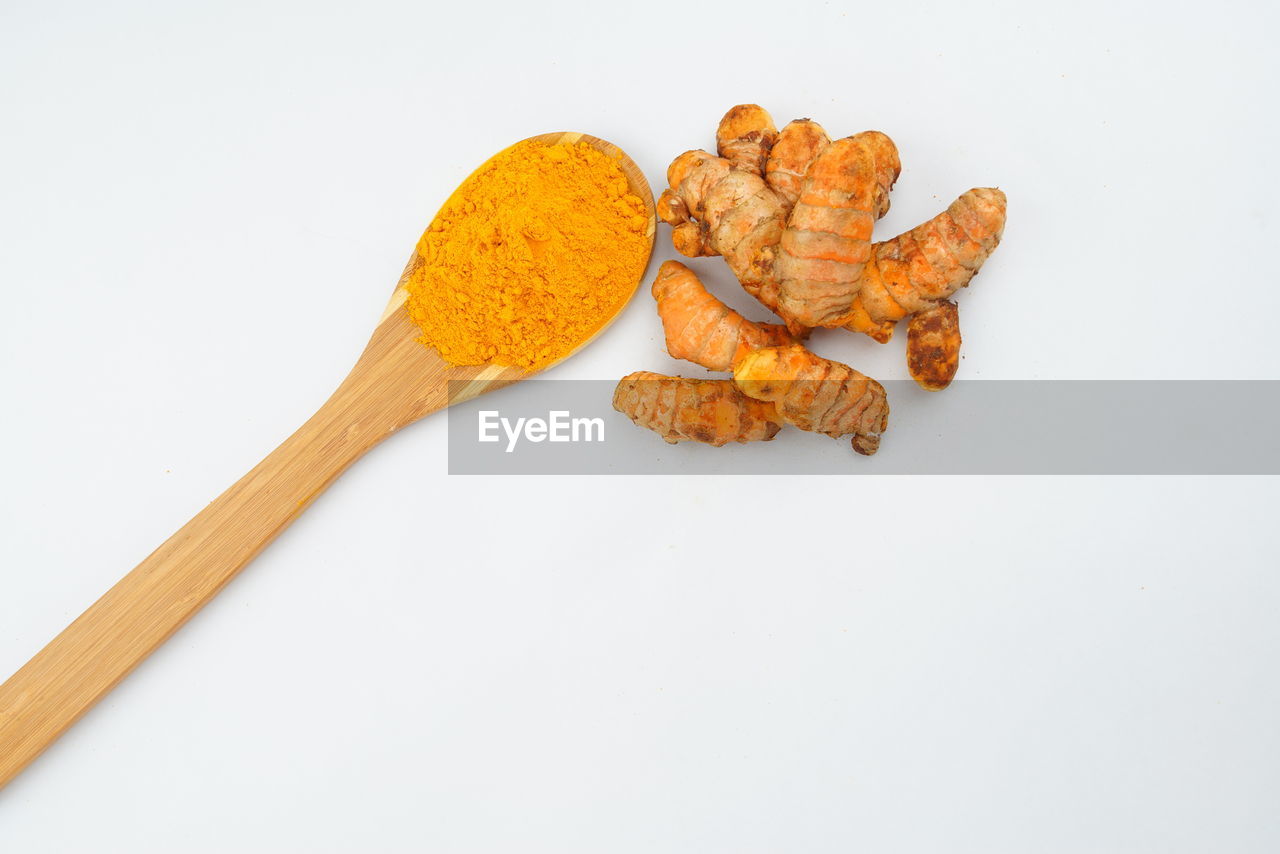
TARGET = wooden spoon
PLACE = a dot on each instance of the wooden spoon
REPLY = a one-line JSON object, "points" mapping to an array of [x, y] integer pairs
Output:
{"points": [[395, 382]]}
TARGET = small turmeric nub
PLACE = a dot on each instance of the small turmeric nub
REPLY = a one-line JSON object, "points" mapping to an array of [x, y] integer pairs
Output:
{"points": [[745, 136], [933, 346], [798, 145]]}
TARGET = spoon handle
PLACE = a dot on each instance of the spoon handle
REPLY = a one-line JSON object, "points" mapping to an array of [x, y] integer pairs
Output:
{"points": [[78, 667]]}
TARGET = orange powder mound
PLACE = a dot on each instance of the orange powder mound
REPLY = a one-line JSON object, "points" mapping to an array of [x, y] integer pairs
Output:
{"points": [[529, 257]]}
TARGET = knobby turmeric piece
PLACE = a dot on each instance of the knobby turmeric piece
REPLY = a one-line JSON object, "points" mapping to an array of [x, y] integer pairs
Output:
{"points": [[714, 412], [827, 241], [816, 394], [933, 345], [797, 146], [529, 257], [745, 137], [920, 268], [716, 209]]}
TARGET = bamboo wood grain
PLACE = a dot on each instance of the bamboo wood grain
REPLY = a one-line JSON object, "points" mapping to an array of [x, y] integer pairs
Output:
{"points": [[395, 382]]}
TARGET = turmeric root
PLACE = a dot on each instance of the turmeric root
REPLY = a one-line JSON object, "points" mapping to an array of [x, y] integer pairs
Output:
{"points": [[702, 329], [718, 210], [723, 206], [709, 411], [827, 241], [921, 268], [816, 394], [797, 146], [745, 136], [933, 346], [799, 240]]}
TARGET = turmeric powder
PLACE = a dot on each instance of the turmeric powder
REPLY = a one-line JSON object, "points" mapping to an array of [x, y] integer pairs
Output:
{"points": [[529, 257]]}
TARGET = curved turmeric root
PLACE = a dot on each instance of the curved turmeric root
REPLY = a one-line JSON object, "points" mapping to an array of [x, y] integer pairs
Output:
{"points": [[702, 329], [710, 411], [933, 346], [816, 394], [921, 268], [827, 242]]}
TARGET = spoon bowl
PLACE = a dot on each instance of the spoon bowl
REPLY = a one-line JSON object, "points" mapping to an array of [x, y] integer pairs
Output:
{"points": [[396, 381], [420, 370]]}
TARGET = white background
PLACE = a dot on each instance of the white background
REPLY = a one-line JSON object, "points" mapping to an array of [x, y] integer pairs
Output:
{"points": [[203, 211]]}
